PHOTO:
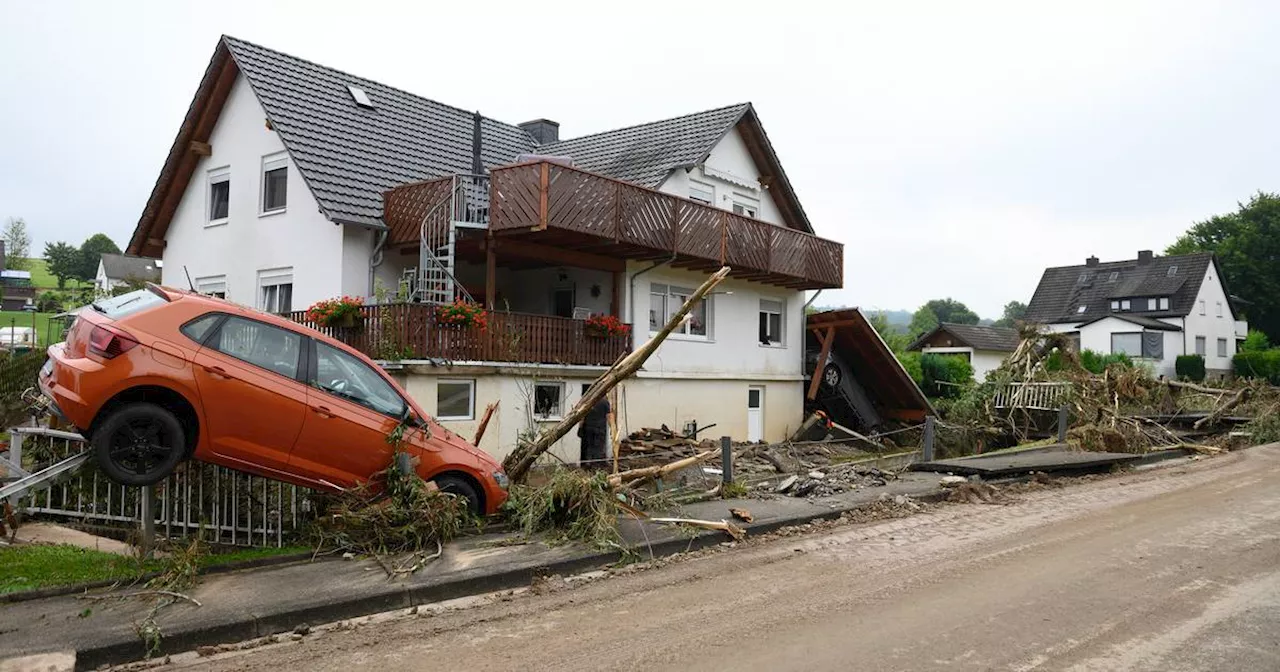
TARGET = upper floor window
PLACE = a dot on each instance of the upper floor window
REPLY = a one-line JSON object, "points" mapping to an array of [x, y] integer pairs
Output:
{"points": [[1173, 270], [1115, 275], [771, 313], [665, 300], [219, 195], [702, 193], [1081, 309], [275, 183], [1164, 303], [744, 210], [1202, 307], [1219, 309]]}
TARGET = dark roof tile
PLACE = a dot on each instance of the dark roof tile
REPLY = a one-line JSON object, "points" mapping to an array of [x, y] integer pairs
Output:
{"points": [[1064, 289]]}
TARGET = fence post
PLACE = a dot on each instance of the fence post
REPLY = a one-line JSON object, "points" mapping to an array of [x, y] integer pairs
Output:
{"points": [[147, 531], [15, 449], [929, 431], [726, 461], [1063, 419]]}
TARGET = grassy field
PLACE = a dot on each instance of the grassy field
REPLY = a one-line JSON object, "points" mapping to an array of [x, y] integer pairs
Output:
{"points": [[21, 318], [42, 566], [42, 279]]}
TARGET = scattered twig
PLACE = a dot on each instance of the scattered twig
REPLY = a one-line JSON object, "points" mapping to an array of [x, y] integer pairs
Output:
{"points": [[141, 593]]}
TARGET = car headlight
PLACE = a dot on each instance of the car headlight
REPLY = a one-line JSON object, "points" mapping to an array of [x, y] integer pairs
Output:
{"points": [[502, 479]]}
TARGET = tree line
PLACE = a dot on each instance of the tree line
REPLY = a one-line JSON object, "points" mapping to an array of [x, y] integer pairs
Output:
{"points": [[63, 260]]}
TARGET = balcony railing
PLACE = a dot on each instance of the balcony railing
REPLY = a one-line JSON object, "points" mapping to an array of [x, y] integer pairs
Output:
{"points": [[411, 331], [541, 196]]}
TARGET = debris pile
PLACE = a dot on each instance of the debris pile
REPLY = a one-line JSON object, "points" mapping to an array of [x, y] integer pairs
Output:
{"points": [[832, 482]]}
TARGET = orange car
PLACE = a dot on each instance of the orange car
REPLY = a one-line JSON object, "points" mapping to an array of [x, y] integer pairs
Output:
{"points": [[159, 375]]}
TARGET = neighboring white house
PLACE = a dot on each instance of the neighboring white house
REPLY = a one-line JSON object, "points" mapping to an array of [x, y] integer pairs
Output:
{"points": [[119, 270], [984, 347], [1151, 308], [273, 197]]}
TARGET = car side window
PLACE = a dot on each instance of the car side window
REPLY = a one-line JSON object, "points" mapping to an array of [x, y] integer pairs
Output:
{"points": [[271, 348], [198, 328], [342, 375]]}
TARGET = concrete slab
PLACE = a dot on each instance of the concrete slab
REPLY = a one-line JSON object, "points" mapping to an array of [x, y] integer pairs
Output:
{"points": [[1026, 462], [49, 533]]}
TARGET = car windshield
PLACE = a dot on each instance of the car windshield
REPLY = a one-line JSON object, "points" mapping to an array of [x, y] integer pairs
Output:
{"points": [[117, 307]]}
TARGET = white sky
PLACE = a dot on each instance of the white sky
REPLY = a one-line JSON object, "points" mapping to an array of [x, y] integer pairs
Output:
{"points": [[956, 148]]}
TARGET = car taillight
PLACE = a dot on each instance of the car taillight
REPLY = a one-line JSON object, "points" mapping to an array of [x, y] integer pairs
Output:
{"points": [[108, 342]]}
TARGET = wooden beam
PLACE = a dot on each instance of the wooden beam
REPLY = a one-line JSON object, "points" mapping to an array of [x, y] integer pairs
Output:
{"points": [[561, 257], [201, 148], [816, 378], [156, 242]]}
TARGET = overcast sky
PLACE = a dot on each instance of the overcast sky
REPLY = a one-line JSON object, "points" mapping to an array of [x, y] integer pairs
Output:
{"points": [[955, 148]]}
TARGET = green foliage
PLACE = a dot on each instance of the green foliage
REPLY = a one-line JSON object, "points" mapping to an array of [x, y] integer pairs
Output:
{"points": [[571, 506], [1096, 362], [938, 311], [17, 244], [911, 362], [1013, 311], [34, 566], [1247, 245], [893, 337], [1264, 364], [91, 251], [945, 375], [1256, 341], [1190, 367], [49, 302], [922, 322], [1263, 429], [62, 261]]}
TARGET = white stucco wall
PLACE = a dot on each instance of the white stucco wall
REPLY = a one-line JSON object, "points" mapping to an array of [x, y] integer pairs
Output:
{"points": [[1211, 325], [982, 361], [299, 237], [643, 402], [728, 158], [1097, 337]]}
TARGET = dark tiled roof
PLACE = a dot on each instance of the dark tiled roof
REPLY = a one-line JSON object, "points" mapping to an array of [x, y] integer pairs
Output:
{"points": [[976, 336], [645, 154], [122, 267], [349, 155], [1140, 320], [1064, 289]]}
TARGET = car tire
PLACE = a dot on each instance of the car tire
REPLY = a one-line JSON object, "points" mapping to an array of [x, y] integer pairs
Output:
{"points": [[456, 485], [139, 444], [831, 376]]}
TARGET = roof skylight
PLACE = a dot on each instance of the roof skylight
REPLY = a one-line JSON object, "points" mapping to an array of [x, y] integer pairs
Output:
{"points": [[361, 98]]}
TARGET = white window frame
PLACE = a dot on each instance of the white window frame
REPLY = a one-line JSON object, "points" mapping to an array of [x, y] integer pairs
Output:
{"points": [[471, 398], [1164, 303], [272, 162], [781, 312], [273, 277], [1202, 306], [1125, 304], [709, 189], [216, 176], [1115, 306], [1081, 309], [1219, 309], [211, 285], [559, 386], [669, 294], [1222, 348], [1202, 346]]}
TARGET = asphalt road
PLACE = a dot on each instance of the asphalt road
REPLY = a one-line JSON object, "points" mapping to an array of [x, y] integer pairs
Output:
{"points": [[1170, 569]]}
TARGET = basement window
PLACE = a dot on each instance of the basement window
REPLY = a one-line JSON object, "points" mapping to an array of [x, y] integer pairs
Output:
{"points": [[456, 399], [548, 401], [361, 98]]}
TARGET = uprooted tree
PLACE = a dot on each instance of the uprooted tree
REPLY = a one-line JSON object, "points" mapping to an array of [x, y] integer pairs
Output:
{"points": [[520, 460]]}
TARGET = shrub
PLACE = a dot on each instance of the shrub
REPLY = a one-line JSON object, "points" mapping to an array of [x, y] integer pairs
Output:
{"points": [[911, 362], [1264, 364], [1096, 362], [1256, 341], [49, 303], [1190, 367], [945, 375]]}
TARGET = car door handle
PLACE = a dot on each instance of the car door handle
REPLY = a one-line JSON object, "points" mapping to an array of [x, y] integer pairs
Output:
{"points": [[217, 371], [322, 411]]}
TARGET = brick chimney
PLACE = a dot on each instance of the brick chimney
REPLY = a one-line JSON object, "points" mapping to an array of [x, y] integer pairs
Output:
{"points": [[1145, 257], [544, 131], [1091, 262]]}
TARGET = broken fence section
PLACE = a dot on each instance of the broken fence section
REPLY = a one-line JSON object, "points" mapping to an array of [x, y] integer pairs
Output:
{"points": [[223, 505]]}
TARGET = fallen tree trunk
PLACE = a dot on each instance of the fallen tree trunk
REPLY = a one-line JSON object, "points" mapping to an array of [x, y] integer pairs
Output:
{"points": [[522, 458], [661, 470], [1193, 387], [1222, 410], [725, 526]]}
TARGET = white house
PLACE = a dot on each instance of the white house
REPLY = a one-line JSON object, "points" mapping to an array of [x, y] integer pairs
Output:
{"points": [[984, 347], [290, 182], [118, 270], [1150, 308]]}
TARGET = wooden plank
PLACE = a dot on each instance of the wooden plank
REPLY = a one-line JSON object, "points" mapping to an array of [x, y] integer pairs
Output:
{"points": [[490, 272], [816, 378], [201, 148], [543, 187]]}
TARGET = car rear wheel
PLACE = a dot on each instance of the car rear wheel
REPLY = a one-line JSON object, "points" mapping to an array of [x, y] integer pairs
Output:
{"points": [[456, 485], [139, 444], [831, 376]]}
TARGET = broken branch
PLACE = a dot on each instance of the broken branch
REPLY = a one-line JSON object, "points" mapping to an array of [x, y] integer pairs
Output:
{"points": [[725, 526], [645, 473]]}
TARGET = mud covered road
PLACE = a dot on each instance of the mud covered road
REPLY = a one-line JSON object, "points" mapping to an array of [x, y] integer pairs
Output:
{"points": [[1176, 568]]}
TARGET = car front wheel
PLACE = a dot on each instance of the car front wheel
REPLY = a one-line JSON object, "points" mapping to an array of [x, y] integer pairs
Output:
{"points": [[831, 376], [139, 444], [461, 487]]}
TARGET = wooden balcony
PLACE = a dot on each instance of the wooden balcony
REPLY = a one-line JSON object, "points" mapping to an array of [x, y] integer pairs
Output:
{"points": [[554, 206], [411, 331]]}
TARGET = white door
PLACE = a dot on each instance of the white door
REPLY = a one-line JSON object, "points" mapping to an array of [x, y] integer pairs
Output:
{"points": [[755, 414]]}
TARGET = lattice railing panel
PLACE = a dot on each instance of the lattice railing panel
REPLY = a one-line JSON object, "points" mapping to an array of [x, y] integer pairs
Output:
{"points": [[701, 231], [514, 195], [404, 207], [748, 242], [581, 202], [646, 220]]}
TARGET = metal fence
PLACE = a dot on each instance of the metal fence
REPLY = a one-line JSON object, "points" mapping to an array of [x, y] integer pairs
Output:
{"points": [[223, 505], [1033, 396]]}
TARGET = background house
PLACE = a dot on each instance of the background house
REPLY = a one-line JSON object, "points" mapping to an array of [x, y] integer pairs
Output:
{"points": [[1151, 308], [16, 290], [984, 347], [290, 182], [122, 270]]}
